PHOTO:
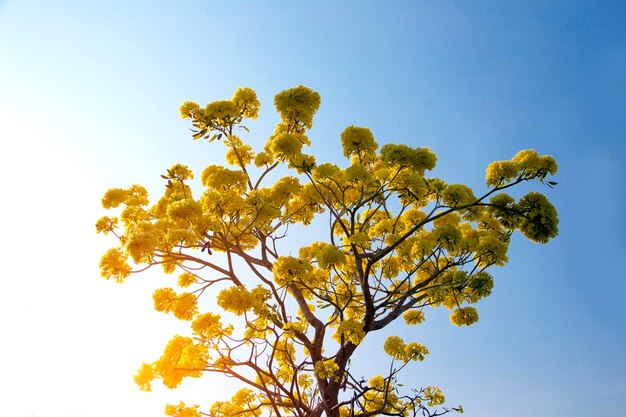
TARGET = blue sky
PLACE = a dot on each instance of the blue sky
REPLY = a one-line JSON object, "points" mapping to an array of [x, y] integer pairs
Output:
{"points": [[89, 96]]}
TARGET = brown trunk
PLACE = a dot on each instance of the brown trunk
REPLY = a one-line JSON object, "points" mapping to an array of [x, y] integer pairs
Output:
{"points": [[331, 400]]}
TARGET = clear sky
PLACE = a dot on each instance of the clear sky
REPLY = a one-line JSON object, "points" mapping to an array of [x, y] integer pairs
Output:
{"points": [[89, 96]]}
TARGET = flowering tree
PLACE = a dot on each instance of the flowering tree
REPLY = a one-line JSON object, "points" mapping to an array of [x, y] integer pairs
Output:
{"points": [[397, 242]]}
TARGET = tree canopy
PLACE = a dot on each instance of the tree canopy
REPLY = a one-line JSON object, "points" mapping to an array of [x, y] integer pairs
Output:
{"points": [[286, 323]]}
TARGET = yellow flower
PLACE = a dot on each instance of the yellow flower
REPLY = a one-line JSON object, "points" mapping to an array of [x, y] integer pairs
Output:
{"points": [[464, 316], [284, 146], [434, 396], [291, 328], [180, 171], [377, 382], [355, 140], [359, 238], [189, 109], [325, 369], [144, 376], [186, 210], [243, 397], [239, 153], [181, 410], [504, 211], [357, 172], [448, 236], [106, 224], [391, 268], [263, 158], [351, 330], [413, 217], [540, 222], [220, 178], [394, 347], [419, 159], [114, 265], [222, 409], [236, 300], [114, 197], [491, 250], [136, 196], [457, 195], [141, 241], [288, 269], [208, 326], [326, 170], [412, 317], [181, 358], [415, 352], [284, 189], [499, 172], [528, 159], [184, 306], [222, 111], [297, 104], [186, 279], [246, 101], [330, 256], [480, 286]]}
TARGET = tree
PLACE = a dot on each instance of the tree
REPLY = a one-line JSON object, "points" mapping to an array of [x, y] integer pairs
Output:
{"points": [[397, 243]]}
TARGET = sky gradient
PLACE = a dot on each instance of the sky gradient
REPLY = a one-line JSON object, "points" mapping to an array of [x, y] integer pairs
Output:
{"points": [[89, 96]]}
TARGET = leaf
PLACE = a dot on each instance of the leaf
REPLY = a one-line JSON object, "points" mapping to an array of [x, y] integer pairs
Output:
{"points": [[165, 177], [244, 128], [199, 134]]}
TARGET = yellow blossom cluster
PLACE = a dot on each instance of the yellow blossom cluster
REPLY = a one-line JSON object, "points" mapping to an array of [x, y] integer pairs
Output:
{"points": [[292, 327], [434, 396], [464, 316], [297, 106], [186, 279], [288, 269], [349, 329], [418, 159], [184, 306], [114, 265], [357, 141], [106, 224], [209, 326], [381, 398], [325, 368], [413, 317], [221, 114], [540, 221], [246, 100], [181, 358], [526, 164], [238, 300], [285, 146], [220, 178], [457, 195], [396, 348], [182, 410], [245, 403]]}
